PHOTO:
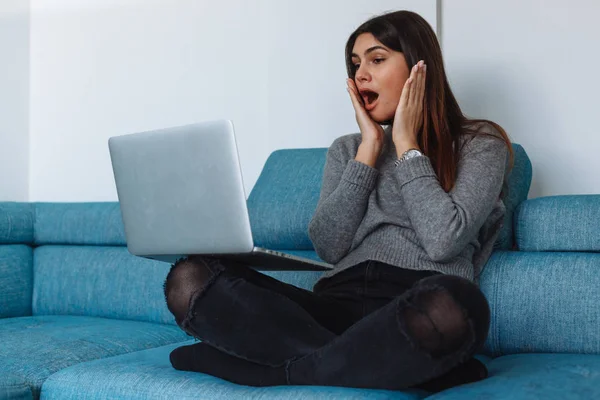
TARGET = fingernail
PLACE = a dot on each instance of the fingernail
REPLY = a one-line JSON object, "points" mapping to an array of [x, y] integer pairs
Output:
{"points": [[424, 67]]}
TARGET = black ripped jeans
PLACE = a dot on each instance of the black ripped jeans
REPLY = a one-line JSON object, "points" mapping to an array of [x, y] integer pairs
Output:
{"points": [[371, 326]]}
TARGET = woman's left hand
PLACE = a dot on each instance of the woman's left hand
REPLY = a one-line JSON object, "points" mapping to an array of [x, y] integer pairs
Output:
{"points": [[409, 113]]}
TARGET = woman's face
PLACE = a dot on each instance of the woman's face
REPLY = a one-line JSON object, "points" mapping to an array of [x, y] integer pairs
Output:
{"points": [[380, 76]]}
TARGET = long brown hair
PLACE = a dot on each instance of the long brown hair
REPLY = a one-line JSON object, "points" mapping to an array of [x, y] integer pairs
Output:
{"points": [[443, 121]]}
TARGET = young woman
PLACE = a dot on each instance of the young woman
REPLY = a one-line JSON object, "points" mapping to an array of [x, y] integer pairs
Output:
{"points": [[408, 215]]}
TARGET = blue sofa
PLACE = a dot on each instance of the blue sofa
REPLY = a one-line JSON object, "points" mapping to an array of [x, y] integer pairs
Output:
{"points": [[81, 318]]}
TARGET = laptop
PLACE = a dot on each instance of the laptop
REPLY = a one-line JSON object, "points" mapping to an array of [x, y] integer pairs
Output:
{"points": [[181, 193]]}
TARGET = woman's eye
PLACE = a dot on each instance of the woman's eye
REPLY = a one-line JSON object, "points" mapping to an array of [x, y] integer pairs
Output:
{"points": [[376, 61]]}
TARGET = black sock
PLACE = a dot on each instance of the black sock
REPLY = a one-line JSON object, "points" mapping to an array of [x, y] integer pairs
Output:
{"points": [[470, 371], [201, 357]]}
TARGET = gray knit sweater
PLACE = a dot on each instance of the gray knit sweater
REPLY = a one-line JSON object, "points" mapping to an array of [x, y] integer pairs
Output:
{"points": [[402, 216]]}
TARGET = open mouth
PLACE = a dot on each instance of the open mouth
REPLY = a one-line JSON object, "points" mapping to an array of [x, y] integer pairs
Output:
{"points": [[369, 98]]}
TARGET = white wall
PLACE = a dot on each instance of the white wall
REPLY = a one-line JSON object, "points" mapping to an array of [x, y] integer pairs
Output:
{"points": [[14, 98], [533, 68], [104, 68]]}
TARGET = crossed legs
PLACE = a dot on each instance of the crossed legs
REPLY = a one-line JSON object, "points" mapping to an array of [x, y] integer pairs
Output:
{"points": [[259, 331]]}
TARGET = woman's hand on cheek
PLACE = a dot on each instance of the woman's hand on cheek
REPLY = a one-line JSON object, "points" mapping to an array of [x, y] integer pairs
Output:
{"points": [[409, 113], [372, 132]]}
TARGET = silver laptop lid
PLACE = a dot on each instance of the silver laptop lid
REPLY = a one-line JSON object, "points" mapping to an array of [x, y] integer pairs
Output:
{"points": [[181, 191]]}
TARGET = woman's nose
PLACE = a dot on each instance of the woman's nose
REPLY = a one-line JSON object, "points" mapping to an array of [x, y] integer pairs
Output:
{"points": [[361, 74]]}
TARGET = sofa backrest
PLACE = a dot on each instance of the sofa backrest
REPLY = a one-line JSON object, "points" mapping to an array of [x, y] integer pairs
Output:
{"points": [[80, 224], [82, 267], [284, 198], [16, 259], [519, 182], [286, 193], [544, 297]]}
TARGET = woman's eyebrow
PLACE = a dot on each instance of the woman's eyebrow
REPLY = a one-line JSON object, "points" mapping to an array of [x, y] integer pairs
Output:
{"points": [[370, 49]]}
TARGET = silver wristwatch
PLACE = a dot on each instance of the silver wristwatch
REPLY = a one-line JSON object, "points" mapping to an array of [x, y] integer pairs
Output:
{"points": [[407, 155]]}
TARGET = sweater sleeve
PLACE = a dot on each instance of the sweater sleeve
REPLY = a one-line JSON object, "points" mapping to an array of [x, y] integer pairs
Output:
{"points": [[446, 222], [345, 192]]}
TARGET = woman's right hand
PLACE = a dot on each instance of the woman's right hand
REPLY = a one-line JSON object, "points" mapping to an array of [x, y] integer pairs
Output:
{"points": [[372, 132]]}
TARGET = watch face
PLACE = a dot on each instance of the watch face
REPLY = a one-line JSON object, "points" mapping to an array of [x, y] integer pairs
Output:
{"points": [[413, 153]]}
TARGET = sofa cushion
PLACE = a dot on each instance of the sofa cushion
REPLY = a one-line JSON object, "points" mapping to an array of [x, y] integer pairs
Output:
{"points": [[16, 222], [559, 223], [98, 223], [14, 387], [99, 281], [16, 280], [534, 376], [148, 374], [33, 348], [543, 302]]}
